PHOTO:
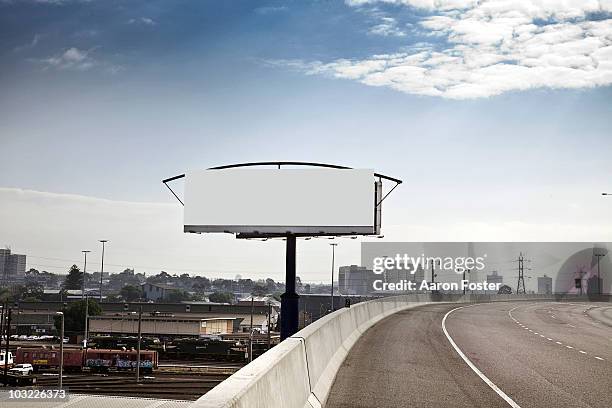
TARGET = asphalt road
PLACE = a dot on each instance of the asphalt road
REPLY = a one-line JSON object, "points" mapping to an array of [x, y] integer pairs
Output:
{"points": [[540, 354]]}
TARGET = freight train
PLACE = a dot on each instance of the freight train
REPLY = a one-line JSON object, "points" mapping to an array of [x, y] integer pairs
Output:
{"points": [[96, 360], [208, 348]]}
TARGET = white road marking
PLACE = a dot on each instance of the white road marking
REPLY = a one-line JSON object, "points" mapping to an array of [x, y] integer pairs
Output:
{"points": [[483, 377], [548, 338], [541, 335], [583, 352], [558, 342], [599, 358], [569, 347]]}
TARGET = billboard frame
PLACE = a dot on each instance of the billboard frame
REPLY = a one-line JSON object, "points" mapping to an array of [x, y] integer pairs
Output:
{"points": [[290, 299]]}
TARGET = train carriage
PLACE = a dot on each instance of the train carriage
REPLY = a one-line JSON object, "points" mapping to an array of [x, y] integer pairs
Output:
{"points": [[102, 360], [43, 358]]}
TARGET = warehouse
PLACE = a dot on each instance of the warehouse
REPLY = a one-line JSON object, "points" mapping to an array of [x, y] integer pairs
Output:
{"points": [[163, 325]]}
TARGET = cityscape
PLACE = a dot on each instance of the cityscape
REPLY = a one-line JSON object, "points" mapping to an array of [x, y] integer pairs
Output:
{"points": [[305, 204]]}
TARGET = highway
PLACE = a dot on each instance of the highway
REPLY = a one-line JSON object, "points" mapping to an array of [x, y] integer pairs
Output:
{"points": [[518, 354]]}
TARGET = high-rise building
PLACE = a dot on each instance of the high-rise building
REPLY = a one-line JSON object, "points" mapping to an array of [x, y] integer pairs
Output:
{"points": [[12, 267], [544, 285], [4, 254]]}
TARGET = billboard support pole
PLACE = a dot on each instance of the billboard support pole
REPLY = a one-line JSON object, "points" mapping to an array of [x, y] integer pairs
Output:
{"points": [[289, 299]]}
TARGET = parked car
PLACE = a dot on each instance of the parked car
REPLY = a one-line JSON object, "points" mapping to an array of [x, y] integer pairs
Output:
{"points": [[33, 338], [22, 369], [22, 337]]}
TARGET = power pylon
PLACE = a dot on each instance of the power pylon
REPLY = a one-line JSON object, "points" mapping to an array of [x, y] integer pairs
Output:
{"points": [[520, 286]]}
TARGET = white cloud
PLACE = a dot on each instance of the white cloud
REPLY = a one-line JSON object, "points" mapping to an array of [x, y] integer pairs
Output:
{"points": [[387, 27], [142, 20], [71, 59], [271, 9], [491, 47], [75, 59]]}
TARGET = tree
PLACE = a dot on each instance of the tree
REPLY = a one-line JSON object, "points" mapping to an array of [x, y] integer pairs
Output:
{"points": [[177, 295], [259, 289], [220, 297], [131, 292], [33, 291], [505, 290], [74, 316], [74, 280]]}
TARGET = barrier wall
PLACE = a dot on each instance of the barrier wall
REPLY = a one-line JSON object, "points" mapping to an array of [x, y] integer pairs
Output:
{"points": [[300, 371]]}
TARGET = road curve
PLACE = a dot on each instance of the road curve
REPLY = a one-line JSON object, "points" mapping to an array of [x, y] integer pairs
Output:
{"points": [[536, 359]]}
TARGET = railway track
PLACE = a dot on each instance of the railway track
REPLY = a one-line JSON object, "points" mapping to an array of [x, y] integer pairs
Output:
{"points": [[156, 386]]}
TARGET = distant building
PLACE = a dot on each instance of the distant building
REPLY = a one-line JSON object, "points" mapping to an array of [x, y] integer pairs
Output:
{"points": [[12, 267], [494, 277], [163, 325], [156, 291], [544, 285], [355, 280]]}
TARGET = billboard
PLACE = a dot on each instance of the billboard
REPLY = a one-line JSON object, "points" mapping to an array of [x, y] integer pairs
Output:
{"points": [[315, 201]]}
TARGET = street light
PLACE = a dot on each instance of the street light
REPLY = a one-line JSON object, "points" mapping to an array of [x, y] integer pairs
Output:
{"points": [[85, 252], [61, 364], [103, 241], [334, 245]]}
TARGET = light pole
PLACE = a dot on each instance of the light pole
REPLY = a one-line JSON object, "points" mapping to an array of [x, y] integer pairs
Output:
{"points": [[86, 322], [598, 278], [61, 364], [139, 341], [334, 245], [464, 271], [85, 252], [103, 241]]}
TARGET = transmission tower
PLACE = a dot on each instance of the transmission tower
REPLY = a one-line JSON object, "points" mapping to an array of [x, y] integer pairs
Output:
{"points": [[521, 278], [520, 286]]}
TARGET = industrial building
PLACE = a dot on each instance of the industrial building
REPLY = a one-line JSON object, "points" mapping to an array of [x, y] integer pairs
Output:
{"points": [[160, 325], [544, 285], [189, 319]]}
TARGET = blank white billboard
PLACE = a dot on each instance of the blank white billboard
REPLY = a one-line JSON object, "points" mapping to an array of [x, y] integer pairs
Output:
{"points": [[280, 201]]}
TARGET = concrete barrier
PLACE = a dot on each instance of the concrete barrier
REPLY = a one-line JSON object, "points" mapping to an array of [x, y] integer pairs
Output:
{"points": [[300, 371]]}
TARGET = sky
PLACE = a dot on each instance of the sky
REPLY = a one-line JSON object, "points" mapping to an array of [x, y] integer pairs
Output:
{"points": [[495, 113]]}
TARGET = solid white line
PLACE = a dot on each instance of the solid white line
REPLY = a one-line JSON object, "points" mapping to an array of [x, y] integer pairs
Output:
{"points": [[483, 377]]}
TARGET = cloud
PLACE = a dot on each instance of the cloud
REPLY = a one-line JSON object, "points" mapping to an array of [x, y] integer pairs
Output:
{"points": [[147, 236], [387, 28], [142, 20], [271, 9], [485, 48], [74, 59], [29, 45], [71, 59]]}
